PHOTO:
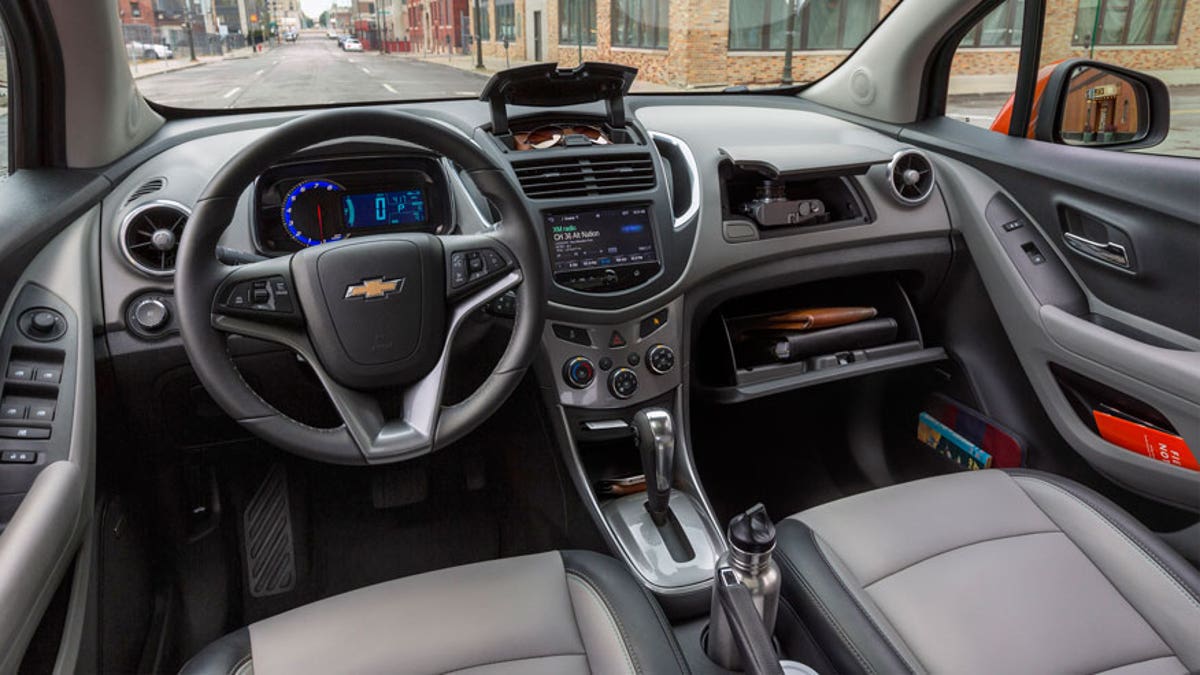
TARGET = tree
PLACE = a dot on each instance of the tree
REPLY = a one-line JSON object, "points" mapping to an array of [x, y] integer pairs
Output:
{"points": [[324, 19]]}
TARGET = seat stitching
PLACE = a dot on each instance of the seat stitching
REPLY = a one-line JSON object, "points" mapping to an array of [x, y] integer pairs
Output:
{"points": [[241, 663], [837, 627], [668, 632], [958, 548], [804, 627], [1134, 663], [1149, 556], [516, 660], [614, 621], [862, 608]]}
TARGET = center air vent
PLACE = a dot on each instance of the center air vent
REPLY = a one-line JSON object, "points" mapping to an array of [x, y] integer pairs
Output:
{"points": [[910, 176], [150, 236], [585, 177]]}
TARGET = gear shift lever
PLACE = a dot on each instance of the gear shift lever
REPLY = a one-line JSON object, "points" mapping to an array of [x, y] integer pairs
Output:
{"points": [[656, 442]]}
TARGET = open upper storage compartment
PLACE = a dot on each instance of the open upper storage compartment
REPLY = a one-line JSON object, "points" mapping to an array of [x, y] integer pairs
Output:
{"points": [[795, 337], [770, 191], [545, 85]]}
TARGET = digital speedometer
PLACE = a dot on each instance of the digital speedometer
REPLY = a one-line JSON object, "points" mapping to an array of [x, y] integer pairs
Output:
{"points": [[312, 212]]}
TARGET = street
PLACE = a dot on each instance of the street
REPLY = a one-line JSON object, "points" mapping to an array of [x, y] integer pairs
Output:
{"points": [[312, 70]]}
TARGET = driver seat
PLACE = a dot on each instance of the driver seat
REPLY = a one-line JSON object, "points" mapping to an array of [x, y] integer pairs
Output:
{"points": [[557, 612]]}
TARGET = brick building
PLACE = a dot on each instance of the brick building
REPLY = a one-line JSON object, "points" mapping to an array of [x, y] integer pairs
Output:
{"points": [[698, 43], [138, 20], [437, 25]]}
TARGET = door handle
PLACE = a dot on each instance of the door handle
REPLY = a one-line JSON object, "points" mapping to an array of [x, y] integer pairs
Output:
{"points": [[1113, 254]]}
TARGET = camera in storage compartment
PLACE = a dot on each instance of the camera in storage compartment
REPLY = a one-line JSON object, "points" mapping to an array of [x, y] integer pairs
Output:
{"points": [[803, 335], [785, 204]]}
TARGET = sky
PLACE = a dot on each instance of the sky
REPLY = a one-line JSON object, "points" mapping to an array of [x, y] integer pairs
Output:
{"points": [[313, 8]]}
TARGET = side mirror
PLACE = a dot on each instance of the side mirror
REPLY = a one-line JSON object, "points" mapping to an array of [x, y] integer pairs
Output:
{"points": [[1094, 104]]}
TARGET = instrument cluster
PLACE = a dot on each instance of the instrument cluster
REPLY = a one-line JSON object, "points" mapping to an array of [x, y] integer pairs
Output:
{"points": [[310, 203]]}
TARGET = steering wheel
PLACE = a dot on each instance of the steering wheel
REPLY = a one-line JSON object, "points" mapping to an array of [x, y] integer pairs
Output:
{"points": [[371, 316]]}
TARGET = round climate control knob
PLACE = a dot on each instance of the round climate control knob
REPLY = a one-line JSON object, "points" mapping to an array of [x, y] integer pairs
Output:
{"points": [[623, 383], [660, 359], [579, 372]]}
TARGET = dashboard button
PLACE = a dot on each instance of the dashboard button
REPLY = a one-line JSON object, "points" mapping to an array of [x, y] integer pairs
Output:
{"points": [[151, 314], [660, 359], [48, 375], [622, 383], [633, 358], [616, 340], [13, 411], [606, 364], [573, 334], [652, 323], [25, 433], [20, 371], [42, 412], [18, 457], [579, 372]]}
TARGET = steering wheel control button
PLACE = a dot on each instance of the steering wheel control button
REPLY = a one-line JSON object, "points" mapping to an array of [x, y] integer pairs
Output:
{"points": [[458, 270], [579, 372], [660, 359], [42, 325], [652, 323], [20, 371], [18, 457], [622, 383], [25, 433], [616, 340], [572, 334], [270, 294], [492, 261]]}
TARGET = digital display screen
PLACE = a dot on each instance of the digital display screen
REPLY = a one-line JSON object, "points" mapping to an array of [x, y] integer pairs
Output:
{"points": [[601, 239], [380, 209]]}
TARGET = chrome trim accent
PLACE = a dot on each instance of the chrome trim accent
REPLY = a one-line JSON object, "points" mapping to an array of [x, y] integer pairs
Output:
{"points": [[891, 167], [693, 173], [1108, 252], [128, 219], [459, 186]]}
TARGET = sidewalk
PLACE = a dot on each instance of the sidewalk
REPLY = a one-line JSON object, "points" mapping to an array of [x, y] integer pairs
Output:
{"points": [[145, 68], [493, 65]]}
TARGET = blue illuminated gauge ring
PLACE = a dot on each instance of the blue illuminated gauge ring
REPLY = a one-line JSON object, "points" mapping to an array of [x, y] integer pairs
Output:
{"points": [[289, 201]]}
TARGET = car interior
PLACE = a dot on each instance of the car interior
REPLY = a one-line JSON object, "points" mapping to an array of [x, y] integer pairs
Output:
{"points": [[562, 378]]}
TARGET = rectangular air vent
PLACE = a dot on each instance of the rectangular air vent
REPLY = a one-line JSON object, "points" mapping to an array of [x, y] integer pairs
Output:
{"points": [[584, 177]]}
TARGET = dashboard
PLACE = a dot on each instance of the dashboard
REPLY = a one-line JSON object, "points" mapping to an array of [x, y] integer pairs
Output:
{"points": [[308, 203]]}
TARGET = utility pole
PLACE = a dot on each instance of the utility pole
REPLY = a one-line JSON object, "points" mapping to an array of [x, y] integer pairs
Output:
{"points": [[191, 40], [478, 34], [579, 33], [789, 47]]}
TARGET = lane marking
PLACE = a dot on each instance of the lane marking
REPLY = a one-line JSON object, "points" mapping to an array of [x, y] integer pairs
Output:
{"points": [[389, 88], [231, 92], [365, 69], [260, 71]]}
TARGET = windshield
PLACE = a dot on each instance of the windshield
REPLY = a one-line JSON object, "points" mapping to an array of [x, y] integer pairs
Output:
{"points": [[279, 53]]}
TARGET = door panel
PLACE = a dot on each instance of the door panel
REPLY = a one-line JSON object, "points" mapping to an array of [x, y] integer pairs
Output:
{"points": [[1136, 331]]}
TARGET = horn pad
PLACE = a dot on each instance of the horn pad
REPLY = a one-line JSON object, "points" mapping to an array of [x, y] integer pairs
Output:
{"points": [[375, 308]]}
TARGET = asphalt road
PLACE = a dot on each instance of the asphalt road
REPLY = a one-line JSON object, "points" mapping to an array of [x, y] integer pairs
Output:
{"points": [[311, 70]]}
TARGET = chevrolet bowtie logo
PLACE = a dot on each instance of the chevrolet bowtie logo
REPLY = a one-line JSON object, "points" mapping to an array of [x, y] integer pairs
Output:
{"points": [[373, 289]]}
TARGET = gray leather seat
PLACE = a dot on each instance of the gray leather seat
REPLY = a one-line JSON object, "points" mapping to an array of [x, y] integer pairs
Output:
{"points": [[569, 612], [985, 572]]}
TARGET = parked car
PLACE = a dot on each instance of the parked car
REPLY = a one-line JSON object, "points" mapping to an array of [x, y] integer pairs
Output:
{"points": [[290, 36], [352, 45], [331, 34], [149, 50]]}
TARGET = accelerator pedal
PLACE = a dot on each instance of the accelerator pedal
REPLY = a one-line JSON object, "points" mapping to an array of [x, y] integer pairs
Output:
{"points": [[267, 536]]}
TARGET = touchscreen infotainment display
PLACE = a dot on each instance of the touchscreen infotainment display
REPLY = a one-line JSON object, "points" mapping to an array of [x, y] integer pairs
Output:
{"points": [[602, 250]]}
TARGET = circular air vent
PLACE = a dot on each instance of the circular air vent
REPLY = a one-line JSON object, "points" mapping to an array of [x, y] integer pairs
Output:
{"points": [[150, 186], [150, 236], [910, 176]]}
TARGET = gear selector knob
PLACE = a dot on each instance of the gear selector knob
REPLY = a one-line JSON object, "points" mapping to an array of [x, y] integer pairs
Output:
{"points": [[656, 442]]}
